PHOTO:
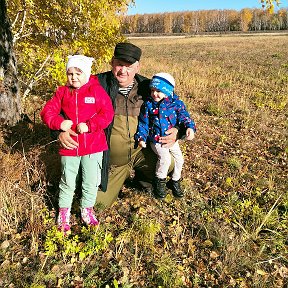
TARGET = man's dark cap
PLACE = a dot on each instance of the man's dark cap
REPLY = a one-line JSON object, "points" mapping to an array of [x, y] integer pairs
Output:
{"points": [[127, 52]]}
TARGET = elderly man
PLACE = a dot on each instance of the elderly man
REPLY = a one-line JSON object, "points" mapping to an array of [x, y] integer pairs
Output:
{"points": [[127, 90]]}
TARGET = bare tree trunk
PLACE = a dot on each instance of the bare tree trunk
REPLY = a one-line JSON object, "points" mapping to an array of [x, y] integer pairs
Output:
{"points": [[10, 107]]}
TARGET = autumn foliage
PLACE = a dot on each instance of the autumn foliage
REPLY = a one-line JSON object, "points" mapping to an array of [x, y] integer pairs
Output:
{"points": [[46, 32], [230, 229]]}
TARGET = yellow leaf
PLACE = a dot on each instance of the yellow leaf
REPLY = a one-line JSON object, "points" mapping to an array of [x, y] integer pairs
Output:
{"points": [[261, 272], [214, 255], [207, 243], [180, 268], [229, 181]]}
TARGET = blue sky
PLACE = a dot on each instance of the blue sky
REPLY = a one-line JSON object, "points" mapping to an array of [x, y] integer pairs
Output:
{"points": [[161, 6]]}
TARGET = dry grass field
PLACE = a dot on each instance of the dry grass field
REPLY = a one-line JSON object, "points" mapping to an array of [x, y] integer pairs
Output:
{"points": [[231, 228]]}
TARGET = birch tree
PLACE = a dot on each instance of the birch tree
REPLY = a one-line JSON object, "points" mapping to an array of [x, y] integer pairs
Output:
{"points": [[10, 108], [45, 32]]}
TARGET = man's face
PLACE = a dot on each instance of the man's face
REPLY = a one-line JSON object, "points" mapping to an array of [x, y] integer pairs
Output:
{"points": [[124, 71]]}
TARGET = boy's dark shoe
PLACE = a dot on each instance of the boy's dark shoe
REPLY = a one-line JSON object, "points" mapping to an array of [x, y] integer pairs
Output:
{"points": [[159, 189], [176, 188]]}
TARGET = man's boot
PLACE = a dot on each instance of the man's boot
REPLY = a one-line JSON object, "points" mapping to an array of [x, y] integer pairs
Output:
{"points": [[176, 188], [159, 188]]}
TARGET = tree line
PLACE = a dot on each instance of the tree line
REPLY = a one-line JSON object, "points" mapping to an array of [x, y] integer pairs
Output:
{"points": [[194, 22]]}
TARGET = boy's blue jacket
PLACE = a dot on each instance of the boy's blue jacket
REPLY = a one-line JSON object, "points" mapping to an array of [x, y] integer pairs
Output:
{"points": [[157, 117]]}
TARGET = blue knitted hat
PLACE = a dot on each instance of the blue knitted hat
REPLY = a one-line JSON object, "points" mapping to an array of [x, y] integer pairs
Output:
{"points": [[163, 82]]}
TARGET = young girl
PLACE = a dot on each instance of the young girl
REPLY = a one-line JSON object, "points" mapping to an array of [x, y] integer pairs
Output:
{"points": [[162, 111], [87, 110]]}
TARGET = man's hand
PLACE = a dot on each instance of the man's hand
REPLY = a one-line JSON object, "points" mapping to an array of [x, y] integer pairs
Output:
{"points": [[82, 128], [169, 140], [66, 141], [189, 134]]}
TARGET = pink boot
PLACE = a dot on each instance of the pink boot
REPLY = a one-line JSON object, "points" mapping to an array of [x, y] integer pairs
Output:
{"points": [[64, 219], [88, 216]]}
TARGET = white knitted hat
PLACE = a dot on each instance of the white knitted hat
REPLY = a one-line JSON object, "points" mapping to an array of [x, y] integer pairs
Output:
{"points": [[82, 62], [166, 76]]}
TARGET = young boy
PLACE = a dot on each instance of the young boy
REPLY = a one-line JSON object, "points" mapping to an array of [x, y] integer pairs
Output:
{"points": [[87, 111], [162, 111]]}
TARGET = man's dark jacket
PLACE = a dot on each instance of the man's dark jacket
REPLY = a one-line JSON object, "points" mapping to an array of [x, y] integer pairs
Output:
{"points": [[110, 84]]}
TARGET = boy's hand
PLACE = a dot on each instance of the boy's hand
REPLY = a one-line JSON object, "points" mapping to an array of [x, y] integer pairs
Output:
{"points": [[142, 144], [189, 134], [82, 128], [66, 125]]}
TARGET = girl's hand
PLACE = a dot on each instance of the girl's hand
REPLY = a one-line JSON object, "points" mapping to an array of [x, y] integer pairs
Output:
{"points": [[82, 128], [66, 125]]}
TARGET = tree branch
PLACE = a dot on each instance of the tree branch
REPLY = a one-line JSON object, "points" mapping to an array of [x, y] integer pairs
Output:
{"points": [[37, 76], [17, 35]]}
